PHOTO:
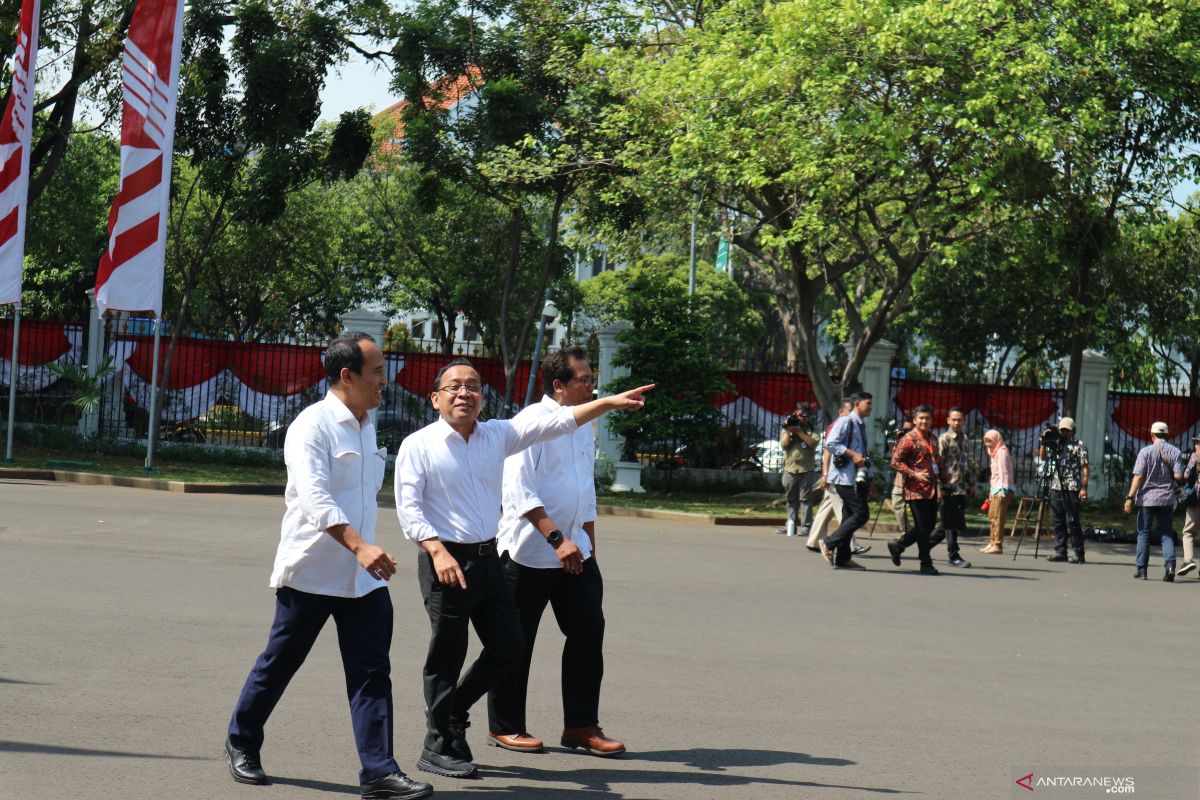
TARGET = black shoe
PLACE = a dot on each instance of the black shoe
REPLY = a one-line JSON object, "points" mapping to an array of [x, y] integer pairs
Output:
{"points": [[813, 549], [929, 569], [1075, 560], [458, 741], [1169, 575], [1140, 574], [244, 766], [445, 765], [959, 562], [396, 786], [861, 550], [1057, 557], [895, 548]]}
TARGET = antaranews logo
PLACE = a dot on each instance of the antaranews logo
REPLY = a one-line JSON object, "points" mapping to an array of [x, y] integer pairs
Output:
{"points": [[1026, 782], [1109, 784]]}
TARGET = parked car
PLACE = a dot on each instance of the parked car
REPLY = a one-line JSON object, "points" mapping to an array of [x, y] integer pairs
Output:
{"points": [[766, 456]]}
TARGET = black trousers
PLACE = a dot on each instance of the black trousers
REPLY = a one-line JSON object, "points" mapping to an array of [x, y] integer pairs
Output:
{"points": [[854, 515], [487, 604], [924, 514], [364, 628], [576, 601], [954, 522], [1064, 511]]}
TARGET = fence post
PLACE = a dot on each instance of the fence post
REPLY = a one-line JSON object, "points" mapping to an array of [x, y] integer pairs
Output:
{"points": [[89, 423], [608, 442], [369, 322], [1091, 418]]}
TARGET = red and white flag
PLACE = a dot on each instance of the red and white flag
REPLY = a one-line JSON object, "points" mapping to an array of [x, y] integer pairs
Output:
{"points": [[130, 276], [16, 130]]}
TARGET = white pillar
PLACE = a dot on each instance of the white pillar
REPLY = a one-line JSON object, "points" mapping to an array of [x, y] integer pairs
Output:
{"points": [[1091, 417], [608, 442], [89, 424]]}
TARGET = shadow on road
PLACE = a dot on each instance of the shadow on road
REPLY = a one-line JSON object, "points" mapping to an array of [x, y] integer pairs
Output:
{"points": [[23, 683], [60, 750]]}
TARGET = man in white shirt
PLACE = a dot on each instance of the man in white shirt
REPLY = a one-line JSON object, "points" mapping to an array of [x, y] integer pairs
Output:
{"points": [[448, 497], [547, 543], [328, 565]]}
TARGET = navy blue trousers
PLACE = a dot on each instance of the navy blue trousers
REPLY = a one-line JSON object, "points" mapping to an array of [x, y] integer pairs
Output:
{"points": [[364, 628]]}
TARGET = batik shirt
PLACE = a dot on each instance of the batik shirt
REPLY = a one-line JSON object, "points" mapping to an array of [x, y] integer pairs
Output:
{"points": [[917, 452], [957, 467], [1073, 456]]}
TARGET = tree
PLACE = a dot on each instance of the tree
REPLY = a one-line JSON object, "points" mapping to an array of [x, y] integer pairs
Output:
{"points": [[678, 342], [859, 143]]}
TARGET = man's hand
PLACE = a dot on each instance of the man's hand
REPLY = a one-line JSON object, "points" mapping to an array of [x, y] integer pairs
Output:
{"points": [[923, 475], [857, 458], [632, 400], [570, 557], [446, 567], [1128, 506], [376, 561], [1083, 493]]}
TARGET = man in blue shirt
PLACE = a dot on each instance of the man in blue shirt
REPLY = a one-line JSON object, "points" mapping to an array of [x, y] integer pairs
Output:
{"points": [[1153, 490], [847, 444]]}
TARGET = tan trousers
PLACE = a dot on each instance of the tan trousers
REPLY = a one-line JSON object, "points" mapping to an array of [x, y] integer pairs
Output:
{"points": [[897, 499], [1191, 524], [997, 509], [829, 514]]}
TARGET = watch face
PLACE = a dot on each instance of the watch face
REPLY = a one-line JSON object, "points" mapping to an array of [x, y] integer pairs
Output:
{"points": [[554, 537]]}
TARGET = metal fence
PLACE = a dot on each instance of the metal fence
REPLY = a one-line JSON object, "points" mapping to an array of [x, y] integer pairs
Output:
{"points": [[1130, 415], [47, 350]]}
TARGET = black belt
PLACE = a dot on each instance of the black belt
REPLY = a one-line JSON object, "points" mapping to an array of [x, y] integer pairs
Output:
{"points": [[487, 548]]}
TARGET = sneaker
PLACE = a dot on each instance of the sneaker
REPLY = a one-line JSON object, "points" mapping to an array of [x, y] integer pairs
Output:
{"points": [[1187, 567], [959, 562], [445, 765], [895, 549], [781, 530], [861, 550]]}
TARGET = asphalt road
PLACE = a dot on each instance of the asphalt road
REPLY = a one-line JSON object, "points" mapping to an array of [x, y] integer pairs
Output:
{"points": [[738, 664]]}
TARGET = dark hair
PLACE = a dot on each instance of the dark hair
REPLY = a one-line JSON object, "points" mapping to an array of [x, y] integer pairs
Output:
{"points": [[846, 403], [458, 362], [959, 409], [557, 366], [924, 408], [344, 352], [859, 397]]}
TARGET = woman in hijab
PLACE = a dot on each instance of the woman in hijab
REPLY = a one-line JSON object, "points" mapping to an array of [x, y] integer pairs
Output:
{"points": [[1002, 488]]}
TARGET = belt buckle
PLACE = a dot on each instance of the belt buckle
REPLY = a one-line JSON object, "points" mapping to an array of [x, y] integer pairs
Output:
{"points": [[487, 548]]}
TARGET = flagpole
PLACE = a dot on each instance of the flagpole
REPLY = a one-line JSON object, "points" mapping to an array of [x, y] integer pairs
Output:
{"points": [[152, 433], [12, 380]]}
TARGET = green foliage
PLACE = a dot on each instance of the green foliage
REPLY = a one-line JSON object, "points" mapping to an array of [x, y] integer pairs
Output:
{"points": [[676, 342], [88, 387]]}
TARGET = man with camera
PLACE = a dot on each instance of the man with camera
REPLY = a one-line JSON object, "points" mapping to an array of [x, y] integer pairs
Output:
{"points": [[916, 457], [847, 443], [1066, 460], [1159, 465], [799, 468]]}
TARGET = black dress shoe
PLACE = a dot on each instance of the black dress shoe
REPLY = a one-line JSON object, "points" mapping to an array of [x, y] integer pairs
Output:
{"points": [[396, 786], [1057, 557], [244, 766], [445, 765], [813, 549], [1140, 574], [1169, 575], [895, 549], [929, 569]]}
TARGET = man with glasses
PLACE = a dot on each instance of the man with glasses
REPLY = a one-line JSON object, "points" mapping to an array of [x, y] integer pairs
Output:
{"points": [[548, 543], [448, 499]]}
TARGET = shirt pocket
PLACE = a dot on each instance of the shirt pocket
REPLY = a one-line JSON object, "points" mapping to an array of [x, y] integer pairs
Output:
{"points": [[378, 465], [346, 470]]}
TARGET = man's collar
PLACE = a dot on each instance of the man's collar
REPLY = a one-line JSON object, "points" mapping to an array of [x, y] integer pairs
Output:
{"points": [[341, 412], [549, 401], [446, 428]]}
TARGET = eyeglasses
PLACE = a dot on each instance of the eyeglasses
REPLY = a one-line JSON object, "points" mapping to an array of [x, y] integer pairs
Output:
{"points": [[586, 380], [455, 388]]}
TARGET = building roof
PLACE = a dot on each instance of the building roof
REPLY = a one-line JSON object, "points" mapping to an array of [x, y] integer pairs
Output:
{"points": [[447, 93]]}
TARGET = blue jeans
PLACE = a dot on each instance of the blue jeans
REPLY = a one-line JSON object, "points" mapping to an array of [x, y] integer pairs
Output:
{"points": [[1160, 518]]}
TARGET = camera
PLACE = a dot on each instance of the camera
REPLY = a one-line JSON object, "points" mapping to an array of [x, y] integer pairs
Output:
{"points": [[799, 419], [1050, 437], [862, 474]]}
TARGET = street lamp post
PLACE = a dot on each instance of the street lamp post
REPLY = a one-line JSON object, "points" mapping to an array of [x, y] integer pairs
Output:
{"points": [[549, 314]]}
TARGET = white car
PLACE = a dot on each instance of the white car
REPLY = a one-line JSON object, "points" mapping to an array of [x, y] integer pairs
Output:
{"points": [[769, 453]]}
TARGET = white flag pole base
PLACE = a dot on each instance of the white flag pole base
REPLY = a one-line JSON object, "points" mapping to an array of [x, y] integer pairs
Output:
{"points": [[152, 429]]}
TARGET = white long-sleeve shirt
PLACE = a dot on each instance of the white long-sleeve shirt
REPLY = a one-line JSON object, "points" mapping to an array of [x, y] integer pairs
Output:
{"points": [[557, 475], [335, 472], [448, 487]]}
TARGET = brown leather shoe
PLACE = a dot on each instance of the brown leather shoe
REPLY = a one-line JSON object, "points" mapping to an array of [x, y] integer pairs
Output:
{"points": [[520, 742], [593, 740]]}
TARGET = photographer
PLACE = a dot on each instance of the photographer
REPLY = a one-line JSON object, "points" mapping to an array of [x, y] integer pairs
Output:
{"points": [[1066, 460], [799, 444], [848, 477], [916, 458]]}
